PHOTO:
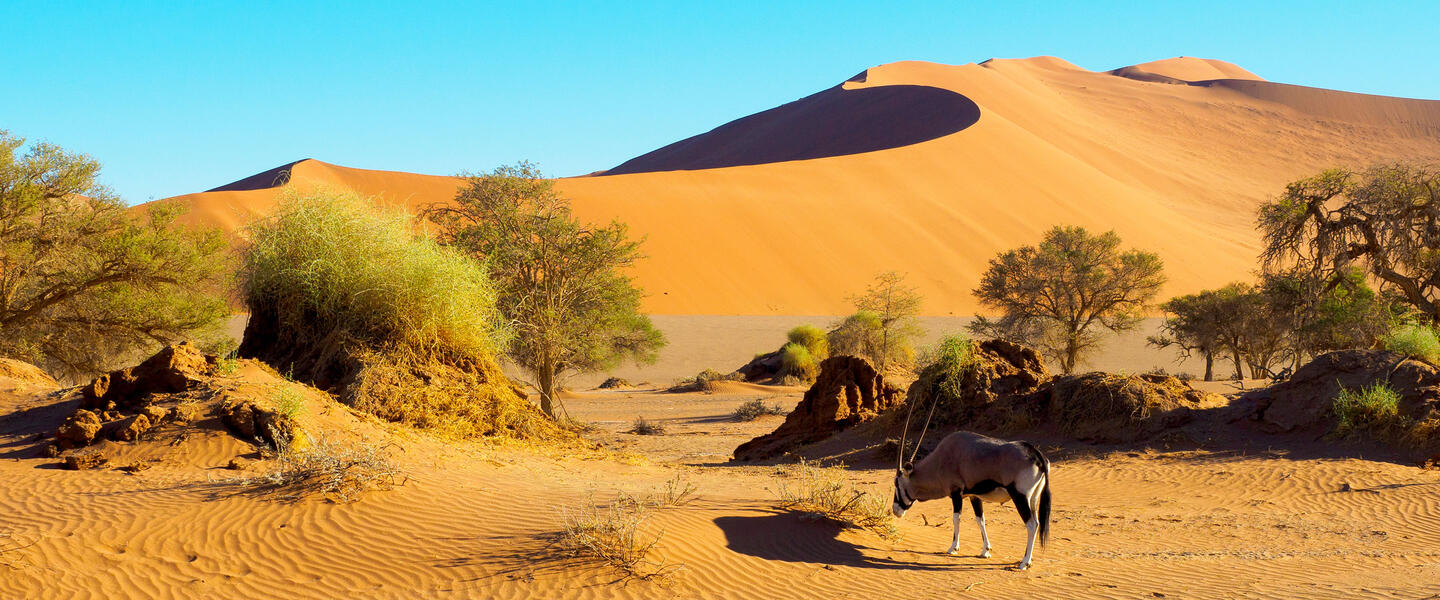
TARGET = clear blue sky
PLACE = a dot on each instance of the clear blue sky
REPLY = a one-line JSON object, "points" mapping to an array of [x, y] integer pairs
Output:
{"points": [[179, 97]]}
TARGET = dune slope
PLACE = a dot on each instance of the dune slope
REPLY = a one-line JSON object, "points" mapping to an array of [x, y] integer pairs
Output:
{"points": [[806, 213]]}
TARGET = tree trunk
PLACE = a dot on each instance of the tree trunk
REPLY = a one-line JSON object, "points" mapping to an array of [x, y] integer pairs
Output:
{"points": [[546, 380], [1239, 366], [1072, 350], [1209, 366]]}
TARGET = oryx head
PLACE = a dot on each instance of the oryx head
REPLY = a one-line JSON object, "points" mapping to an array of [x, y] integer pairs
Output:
{"points": [[904, 494]]}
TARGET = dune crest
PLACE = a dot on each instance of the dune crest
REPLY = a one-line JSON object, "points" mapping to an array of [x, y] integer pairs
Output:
{"points": [[1186, 69], [787, 211]]}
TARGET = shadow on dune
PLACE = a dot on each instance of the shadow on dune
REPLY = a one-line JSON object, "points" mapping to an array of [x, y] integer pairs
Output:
{"points": [[834, 122], [791, 537], [275, 177]]}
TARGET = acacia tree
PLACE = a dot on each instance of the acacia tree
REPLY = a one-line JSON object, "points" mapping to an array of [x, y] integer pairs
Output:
{"points": [[1386, 219], [1056, 295], [1323, 315], [562, 282], [887, 310], [1193, 325], [82, 280]]}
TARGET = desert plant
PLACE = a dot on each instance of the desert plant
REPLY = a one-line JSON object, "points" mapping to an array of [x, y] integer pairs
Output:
{"points": [[289, 404], [613, 534], [340, 474], [812, 338], [1386, 219], [1414, 340], [84, 280], [825, 493], [797, 361], [644, 427], [1375, 406], [755, 409], [890, 306], [1055, 295], [678, 491], [704, 381], [857, 335], [562, 283]]}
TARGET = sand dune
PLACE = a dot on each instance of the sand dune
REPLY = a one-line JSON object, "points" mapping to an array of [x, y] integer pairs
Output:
{"points": [[1177, 169]]}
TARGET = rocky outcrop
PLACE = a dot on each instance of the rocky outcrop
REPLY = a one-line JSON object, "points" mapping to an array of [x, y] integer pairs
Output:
{"points": [[251, 421], [1304, 402], [1000, 369], [848, 391], [1104, 408], [26, 373], [170, 370]]}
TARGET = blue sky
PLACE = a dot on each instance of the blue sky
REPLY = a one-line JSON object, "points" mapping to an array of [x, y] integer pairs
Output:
{"points": [[181, 97]]}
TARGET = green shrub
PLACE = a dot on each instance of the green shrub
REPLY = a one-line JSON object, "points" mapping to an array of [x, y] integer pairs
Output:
{"points": [[1373, 406], [1414, 340], [812, 338], [330, 264], [796, 361], [952, 356]]}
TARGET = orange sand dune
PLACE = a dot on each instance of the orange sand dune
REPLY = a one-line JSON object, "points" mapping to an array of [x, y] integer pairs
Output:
{"points": [[1178, 169]]}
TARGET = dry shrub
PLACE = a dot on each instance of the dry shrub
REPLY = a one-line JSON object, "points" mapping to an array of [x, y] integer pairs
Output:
{"points": [[341, 474], [678, 491], [614, 534], [643, 427], [755, 409], [473, 401], [704, 381], [825, 493]]}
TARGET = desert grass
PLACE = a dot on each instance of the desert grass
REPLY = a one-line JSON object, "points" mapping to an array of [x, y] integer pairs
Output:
{"points": [[1417, 341], [339, 473], [615, 534], [755, 409], [644, 427], [826, 493], [1376, 406]]}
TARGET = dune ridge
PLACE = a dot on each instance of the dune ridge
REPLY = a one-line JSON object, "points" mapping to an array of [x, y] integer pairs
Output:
{"points": [[1177, 169]]}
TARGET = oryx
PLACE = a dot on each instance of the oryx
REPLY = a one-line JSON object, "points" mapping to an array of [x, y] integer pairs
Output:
{"points": [[981, 468]]}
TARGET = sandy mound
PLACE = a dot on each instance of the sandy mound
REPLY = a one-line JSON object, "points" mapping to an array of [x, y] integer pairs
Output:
{"points": [[1185, 69], [25, 373], [1303, 403], [1001, 369], [1104, 408], [848, 391]]}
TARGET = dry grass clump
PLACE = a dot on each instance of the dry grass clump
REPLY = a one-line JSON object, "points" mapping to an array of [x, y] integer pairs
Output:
{"points": [[1376, 406], [825, 493], [341, 474], [704, 381], [644, 427], [755, 409], [615, 534]]}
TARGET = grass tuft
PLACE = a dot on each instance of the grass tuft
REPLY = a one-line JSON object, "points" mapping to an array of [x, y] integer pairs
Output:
{"points": [[614, 534], [643, 427], [825, 493], [1376, 406], [341, 474], [1414, 340]]}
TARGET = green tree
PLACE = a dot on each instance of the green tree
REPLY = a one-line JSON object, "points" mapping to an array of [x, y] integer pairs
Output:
{"points": [[82, 280], [1386, 219], [1056, 295], [894, 305], [562, 282], [1193, 324]]}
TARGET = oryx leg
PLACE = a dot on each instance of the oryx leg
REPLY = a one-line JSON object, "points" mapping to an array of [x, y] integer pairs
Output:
{"points": [[979, 506], [957, 503], [1032, 524]]}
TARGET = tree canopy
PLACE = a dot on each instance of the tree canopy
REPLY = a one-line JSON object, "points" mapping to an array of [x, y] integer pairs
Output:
{"points": [[82, 279], [563, 284], [884, 327], [1055, 296]]}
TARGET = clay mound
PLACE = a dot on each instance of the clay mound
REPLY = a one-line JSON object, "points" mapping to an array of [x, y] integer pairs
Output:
{"points": [[615, 383], [848, 391], [172, 369], [835, 122], [1303, 403], [764, 367], [1105, 408], [1001, 369], [26, 373]]}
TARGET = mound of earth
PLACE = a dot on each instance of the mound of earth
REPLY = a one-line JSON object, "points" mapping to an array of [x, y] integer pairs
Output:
{"points": [[1303, 403], [615, 383], [763, 368], [848, 391], [177, 386], [1001, 369], [1102, 407], [26, 373]]}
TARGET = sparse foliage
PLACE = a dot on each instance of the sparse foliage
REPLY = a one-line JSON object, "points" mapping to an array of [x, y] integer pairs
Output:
{"points": [[825, 493], [614, 534], [641, 426], [562, 283], [338, 473], [82, 280], [893, 305], [1057, 295], [754, 409], [1386, 218]]}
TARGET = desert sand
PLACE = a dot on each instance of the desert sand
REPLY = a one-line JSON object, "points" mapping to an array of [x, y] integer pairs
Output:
{"points": [[1170, 154], [474, 520]]}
